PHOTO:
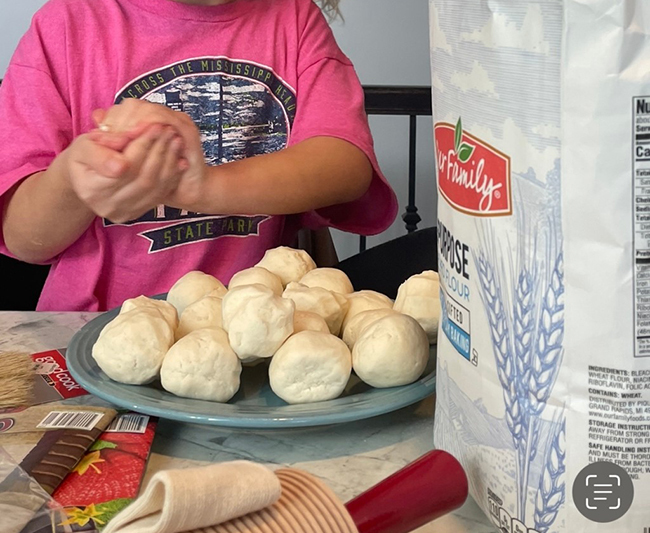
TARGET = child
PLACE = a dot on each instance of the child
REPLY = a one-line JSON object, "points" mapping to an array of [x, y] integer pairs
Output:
{"points": [[228, 125]]}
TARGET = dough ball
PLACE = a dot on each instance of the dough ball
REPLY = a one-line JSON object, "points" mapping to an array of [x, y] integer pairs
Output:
{"points": [[310, 367], [217, 293], [419, 297], [289, 264], [364, 301], [329, 305], [308, 321], [361, 321], [202, 365], [192, 287], [259, 275], [332, 279], [391, 351], [257, 321], [131, 347], [204, 313], [168, 310]]}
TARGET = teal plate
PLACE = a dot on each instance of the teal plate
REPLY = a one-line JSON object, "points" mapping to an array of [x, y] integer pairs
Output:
{"points": [[255, 406]]}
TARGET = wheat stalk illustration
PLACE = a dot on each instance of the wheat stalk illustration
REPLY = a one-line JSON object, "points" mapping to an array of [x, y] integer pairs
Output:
{"points": [[524, 310], [524, 331], [504, 356], [527, 331], [542, 367], [550, 340], [549, 347], [552, 492], [500, 333]]}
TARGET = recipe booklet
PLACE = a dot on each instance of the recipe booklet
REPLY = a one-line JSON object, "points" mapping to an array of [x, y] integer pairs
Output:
{"points": [[108, 477], [40, 446], [47, 441], [90, 459], [53, 381]]}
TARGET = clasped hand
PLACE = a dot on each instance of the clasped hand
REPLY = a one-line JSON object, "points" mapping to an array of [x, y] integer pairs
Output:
{"points": [[141, 155]]}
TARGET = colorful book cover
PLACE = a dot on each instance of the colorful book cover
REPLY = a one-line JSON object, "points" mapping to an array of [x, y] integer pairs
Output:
{"points": [[43, 443], [109, 476], [47, 441]]}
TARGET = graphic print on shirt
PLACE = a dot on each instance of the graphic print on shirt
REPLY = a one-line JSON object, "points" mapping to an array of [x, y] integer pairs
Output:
{"points": [[242, 109]]}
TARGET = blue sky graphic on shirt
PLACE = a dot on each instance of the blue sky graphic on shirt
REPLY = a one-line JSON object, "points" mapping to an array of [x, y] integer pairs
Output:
{"points": [[241, 109]]}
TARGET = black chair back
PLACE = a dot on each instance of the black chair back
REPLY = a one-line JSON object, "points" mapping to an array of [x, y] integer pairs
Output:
{"points": [[383, 268], [411, 101]]}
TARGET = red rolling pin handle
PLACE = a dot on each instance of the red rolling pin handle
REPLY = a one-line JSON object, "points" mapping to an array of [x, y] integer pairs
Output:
{"points": [[433, 485]]}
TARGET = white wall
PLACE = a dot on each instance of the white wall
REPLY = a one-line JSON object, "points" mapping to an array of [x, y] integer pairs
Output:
{"points": [[388, 41], [14, 21]]}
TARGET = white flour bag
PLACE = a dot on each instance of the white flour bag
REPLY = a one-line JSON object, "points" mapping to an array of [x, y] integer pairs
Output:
{"points": [[542, 138]]}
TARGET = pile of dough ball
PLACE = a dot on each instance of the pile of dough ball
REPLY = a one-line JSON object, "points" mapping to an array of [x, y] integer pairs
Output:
{"points": [[309, 322]]}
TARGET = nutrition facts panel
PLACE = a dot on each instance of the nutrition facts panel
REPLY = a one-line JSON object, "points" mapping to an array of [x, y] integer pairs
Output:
{"points": [[641, 175]]}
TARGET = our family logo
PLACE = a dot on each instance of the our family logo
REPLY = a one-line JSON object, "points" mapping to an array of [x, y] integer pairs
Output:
{"points": [[473, 177]]}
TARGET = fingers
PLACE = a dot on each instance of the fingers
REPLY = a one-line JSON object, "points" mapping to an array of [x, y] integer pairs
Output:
{"points": [[138, 149], [134, 116], [122, 185], [139, 128], [174, 165], [98, 116], [113, 140], [160, 165], [99, 158], [157, 175]]}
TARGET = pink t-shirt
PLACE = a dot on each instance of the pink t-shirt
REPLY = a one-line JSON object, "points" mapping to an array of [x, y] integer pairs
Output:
{"points": [[255, 75]]}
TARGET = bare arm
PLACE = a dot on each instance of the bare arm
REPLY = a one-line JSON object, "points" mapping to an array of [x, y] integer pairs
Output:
{"points": [[314, 173], [42, 216], [50, 210]]}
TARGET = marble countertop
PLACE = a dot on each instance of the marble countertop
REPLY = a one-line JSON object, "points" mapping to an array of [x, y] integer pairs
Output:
{"points": [[350, 458]]}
